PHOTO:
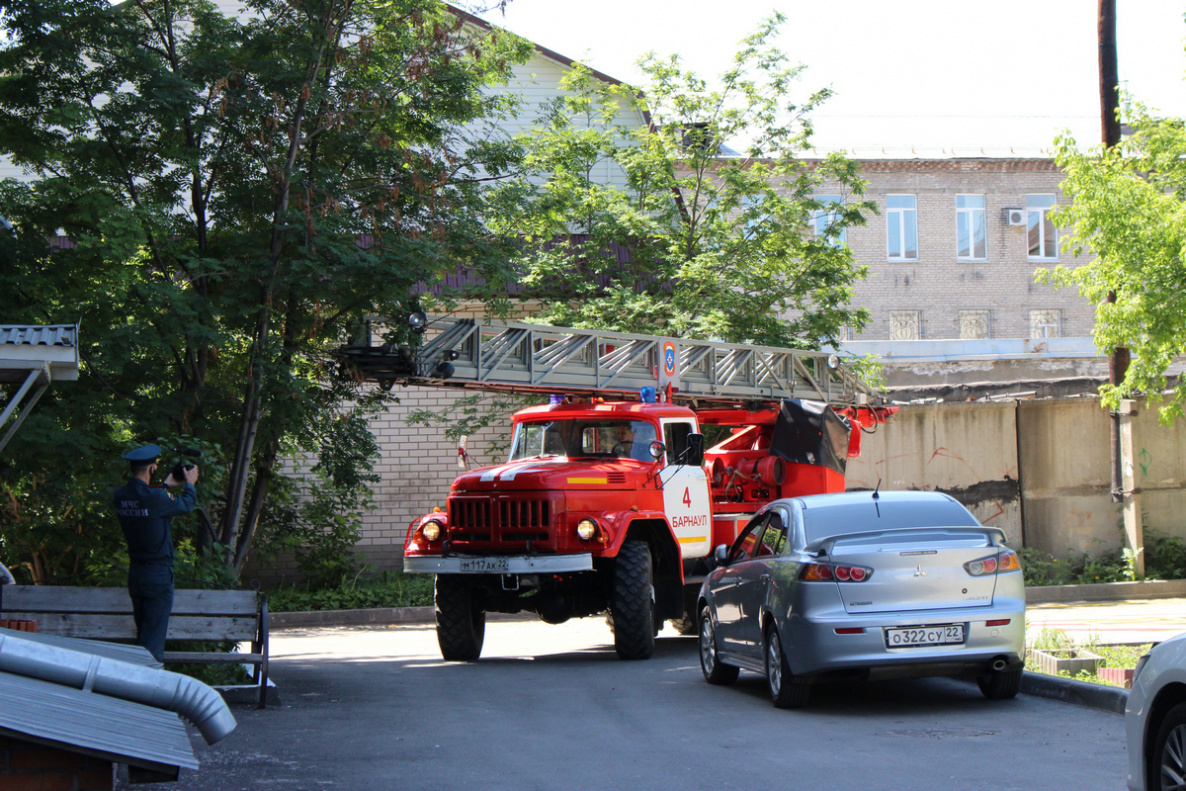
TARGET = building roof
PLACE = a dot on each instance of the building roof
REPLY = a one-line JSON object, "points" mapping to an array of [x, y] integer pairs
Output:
{"points": [[51, 348]]}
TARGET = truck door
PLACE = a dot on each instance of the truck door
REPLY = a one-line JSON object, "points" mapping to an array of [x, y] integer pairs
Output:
{"points": [[685, 492]]}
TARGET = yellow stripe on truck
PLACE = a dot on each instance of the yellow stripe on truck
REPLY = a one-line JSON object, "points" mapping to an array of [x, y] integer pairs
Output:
{"points": [[694, 540], [587, 480]]}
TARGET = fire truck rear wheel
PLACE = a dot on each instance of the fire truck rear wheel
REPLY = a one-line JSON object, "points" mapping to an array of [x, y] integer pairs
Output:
{"points": [[461, 621], [685, 625], [633, 603]]}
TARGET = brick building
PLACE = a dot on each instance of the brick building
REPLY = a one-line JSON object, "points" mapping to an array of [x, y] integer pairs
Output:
{"points": [[953, 253]]}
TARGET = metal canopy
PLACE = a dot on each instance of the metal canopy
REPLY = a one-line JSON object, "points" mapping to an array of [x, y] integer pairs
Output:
{"points": [[105, 727], [34, 356], [537, 358]]}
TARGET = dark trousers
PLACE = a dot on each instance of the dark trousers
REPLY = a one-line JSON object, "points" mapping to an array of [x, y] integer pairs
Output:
{"points": [[151, 589]]}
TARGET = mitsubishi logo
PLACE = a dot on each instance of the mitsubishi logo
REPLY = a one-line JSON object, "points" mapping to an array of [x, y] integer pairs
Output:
{"points": [[918, 572]]}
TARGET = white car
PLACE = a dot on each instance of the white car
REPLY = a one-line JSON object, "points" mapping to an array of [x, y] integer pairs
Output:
{"points": [[1155, 719]]}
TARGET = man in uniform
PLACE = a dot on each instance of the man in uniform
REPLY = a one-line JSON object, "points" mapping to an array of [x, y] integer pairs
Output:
{"points": [[145, 513]]}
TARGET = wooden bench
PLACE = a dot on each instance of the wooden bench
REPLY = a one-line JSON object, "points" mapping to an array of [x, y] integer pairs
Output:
{"points": [[106, 614]]}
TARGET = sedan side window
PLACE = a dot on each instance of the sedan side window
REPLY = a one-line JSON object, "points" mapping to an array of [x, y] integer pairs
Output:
{"points": [[774, 540], [749, 540]]}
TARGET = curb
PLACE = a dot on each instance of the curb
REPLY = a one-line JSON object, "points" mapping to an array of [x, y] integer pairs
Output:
{"points": [[1106, 592], [1079, 693], [380, 615]]}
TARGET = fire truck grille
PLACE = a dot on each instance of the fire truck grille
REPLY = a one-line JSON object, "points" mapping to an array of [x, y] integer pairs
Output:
{"points": [[524, 536], [500, 520], [468, 536], [470, 514], [523, 513]]}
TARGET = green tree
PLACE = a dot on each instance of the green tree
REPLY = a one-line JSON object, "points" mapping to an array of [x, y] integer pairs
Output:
{"points": [[688, 240], [1129, 210], [236, 194]]}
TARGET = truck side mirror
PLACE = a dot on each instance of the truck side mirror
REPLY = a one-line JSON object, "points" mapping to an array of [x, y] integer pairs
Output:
{"points": [[695, 454]]}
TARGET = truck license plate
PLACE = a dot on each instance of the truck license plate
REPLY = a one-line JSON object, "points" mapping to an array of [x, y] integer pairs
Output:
{"points": [[493, 565], [947, 634]]}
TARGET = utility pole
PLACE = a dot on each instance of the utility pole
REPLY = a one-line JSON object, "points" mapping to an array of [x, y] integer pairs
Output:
{"points": [[1118, 357]]}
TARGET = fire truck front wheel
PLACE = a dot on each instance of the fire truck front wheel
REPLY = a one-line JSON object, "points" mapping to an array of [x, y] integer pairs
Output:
{"points": [[461, 621], [633, 603]]}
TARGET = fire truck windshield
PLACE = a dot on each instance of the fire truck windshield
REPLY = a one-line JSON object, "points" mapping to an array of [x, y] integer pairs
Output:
{"points": [[628, 439]]}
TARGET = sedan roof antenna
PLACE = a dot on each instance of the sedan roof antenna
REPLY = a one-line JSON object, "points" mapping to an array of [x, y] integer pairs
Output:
{"points": [[875, 494]]}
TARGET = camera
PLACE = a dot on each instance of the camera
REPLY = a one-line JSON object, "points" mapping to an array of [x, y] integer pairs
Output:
{"points": [[179, 469]]}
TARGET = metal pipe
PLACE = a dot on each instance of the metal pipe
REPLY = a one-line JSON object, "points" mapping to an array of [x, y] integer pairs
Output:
{"points": [[149, 686], [33, 376]]}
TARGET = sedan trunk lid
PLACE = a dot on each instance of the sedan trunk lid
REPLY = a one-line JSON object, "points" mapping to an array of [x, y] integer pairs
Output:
{"points": [[915, 569]]}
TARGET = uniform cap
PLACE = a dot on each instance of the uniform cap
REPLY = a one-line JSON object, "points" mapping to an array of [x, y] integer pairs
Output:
{"points": [[145, 454]]}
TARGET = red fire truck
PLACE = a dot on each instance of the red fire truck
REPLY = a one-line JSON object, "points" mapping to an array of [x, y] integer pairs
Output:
{"points": [[614, 506]]}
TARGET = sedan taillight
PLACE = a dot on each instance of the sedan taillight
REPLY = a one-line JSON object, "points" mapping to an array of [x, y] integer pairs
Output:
{"points": [[1005, 560], [830, 572]]}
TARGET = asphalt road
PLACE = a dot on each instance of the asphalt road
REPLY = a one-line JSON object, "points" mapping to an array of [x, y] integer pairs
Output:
{"points": [[551, 707]]}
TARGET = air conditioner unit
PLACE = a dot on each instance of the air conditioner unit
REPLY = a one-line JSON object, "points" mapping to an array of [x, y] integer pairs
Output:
{"points": [[1013, 216]]}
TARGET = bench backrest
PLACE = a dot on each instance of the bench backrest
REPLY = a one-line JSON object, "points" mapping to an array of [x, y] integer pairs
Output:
{"points": [[106, 613]]}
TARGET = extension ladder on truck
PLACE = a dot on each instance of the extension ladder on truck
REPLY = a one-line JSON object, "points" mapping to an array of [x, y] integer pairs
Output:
{"points": [[470, 353]]}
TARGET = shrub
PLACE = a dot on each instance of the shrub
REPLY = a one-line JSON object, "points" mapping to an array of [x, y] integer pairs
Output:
{"points": [[351, 593]]}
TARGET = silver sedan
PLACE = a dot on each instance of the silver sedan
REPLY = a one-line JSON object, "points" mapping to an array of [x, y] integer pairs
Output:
{"points": [[864, 584]]}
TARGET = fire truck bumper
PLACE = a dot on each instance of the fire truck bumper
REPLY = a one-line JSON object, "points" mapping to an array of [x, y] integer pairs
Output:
{"points": [[499, 564]]}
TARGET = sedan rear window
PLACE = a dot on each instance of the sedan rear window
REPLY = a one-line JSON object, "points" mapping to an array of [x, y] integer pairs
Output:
{"points": [[820, 522]]}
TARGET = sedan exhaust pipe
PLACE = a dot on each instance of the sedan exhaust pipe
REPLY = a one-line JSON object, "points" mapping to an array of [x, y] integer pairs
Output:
{"points": [[999, 664]]}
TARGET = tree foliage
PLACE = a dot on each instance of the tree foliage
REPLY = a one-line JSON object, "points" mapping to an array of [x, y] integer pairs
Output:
{"points": [[234, 194], [669, 234], [1129, 210]]}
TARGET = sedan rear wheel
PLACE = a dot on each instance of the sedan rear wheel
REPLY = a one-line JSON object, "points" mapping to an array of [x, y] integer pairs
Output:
{"points": [[1166, 766], [786, 691], [715, 671], [1000, 685]]}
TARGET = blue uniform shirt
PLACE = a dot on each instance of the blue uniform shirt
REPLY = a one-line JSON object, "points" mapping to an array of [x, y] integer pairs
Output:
{"points": [[145, 514]]}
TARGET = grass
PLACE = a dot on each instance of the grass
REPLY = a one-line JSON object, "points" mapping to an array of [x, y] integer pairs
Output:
{"points": [[1120, 656]]}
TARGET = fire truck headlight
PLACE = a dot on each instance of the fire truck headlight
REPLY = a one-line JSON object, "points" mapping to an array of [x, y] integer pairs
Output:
{"points": [[586, 529], [432, 530]]}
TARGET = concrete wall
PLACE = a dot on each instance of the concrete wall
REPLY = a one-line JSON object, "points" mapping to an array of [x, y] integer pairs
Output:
{"points": [[1037, 469], [1066, 477], [966, 450]]}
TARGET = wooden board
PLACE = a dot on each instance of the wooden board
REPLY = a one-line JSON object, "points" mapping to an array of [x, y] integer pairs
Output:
{"points": [[67, 599], [121, 627]]}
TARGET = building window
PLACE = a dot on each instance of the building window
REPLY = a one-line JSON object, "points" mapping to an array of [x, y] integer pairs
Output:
{"points": [[826, 215], [1045, 323], [902, 227], [1043, 237], [974, 325], [970, 234], [905, 325]]}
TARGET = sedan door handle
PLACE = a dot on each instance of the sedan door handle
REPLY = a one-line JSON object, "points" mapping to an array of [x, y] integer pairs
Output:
{"points": [[764, 577]]}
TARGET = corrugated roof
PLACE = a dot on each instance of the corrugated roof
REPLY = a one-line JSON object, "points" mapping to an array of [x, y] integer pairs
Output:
{"points": [[106, 727], [51, 350], [137, 655], [39, 335]]}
